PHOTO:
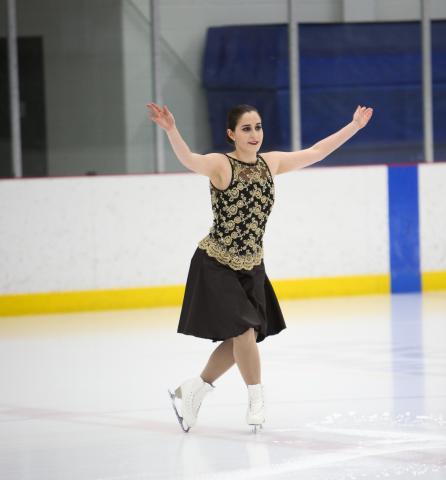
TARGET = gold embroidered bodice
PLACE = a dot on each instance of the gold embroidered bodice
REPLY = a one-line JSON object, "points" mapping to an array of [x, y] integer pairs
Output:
{"points": [[240, 215]]}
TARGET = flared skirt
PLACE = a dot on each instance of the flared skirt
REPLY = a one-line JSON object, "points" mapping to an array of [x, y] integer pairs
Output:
{"points": [[220, 303]]}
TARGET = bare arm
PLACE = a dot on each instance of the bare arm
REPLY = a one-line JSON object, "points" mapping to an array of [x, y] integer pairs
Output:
{"points": [[205, 164], [283, 162]]}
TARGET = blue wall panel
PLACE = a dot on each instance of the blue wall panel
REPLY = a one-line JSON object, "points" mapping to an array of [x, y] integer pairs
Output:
{"points": [[341, 66], [404, 232]]}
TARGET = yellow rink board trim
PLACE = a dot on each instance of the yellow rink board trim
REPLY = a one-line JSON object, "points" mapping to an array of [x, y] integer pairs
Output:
{"points": [[172, 295], [432, 281], [57, 302], [334, 286]]}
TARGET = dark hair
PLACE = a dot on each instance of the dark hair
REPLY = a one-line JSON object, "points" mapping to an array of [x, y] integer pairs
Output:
{"points": [[234, 116]]}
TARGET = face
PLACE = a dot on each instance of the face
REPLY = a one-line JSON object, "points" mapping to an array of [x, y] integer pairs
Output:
{"points": [[248, 133]]}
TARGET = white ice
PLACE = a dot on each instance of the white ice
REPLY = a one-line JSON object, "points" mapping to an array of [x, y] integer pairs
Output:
{"points": [[355, 389]]}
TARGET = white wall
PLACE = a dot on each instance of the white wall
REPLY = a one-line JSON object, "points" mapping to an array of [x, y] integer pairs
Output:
{"points": [[329, 222], [129, 231], [432, 217], [99, 232], [86, 233]]}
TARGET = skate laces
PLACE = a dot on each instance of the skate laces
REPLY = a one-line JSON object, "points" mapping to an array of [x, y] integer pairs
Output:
{"points": [[195, 397], [256, 397]]}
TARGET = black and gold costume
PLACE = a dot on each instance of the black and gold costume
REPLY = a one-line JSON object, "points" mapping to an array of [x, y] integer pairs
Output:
{"points": [[227, 289], [240, 215]]}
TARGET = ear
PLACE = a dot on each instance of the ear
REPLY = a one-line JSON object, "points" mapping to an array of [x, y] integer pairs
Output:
{"points": [[230, 134]]}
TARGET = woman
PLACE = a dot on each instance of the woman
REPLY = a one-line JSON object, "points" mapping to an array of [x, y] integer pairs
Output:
{"points": [[228, 295]]}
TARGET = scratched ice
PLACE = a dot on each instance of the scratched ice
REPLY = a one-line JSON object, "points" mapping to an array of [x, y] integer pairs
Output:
{"points": [[356, 390]]}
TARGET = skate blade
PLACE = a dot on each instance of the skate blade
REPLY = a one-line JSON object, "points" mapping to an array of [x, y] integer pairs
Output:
{"points": [[179, 417], [256, 428]]}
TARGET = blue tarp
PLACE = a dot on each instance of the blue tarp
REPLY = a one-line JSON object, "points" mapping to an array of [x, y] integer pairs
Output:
{"points": [[341, 66], [246, 57]]}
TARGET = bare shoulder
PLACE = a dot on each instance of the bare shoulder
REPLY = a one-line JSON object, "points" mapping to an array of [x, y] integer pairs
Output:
{"points": [[210, 164], [220, 163], [221, 173], [283, 162], [272, 161]]}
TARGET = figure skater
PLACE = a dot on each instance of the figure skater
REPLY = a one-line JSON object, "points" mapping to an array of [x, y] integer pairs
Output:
{"points": [[228, 296]]}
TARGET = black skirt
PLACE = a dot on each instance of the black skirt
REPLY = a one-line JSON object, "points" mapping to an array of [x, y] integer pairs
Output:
{"points": [[220, 303]]}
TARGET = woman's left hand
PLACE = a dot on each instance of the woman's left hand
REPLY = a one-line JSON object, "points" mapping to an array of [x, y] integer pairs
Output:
{"points": [[362, 116]]}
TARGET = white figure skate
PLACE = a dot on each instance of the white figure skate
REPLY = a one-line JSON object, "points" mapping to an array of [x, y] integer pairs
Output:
{"points": [[191, 394], [255, 415]]}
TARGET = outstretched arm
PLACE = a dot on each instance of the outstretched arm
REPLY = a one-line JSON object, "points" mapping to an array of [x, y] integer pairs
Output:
{"points": [[205, 164], [283, 162]]}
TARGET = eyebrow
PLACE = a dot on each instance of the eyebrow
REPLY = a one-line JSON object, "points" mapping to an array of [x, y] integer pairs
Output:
{"points": [[248, 125]]}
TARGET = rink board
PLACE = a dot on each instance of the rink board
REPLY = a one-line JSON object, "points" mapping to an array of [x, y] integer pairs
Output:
{"points": [[109, 242]]}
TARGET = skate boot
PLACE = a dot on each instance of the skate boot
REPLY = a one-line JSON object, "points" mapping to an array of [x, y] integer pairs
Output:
{"points": [[191, 393], [255, 415]]}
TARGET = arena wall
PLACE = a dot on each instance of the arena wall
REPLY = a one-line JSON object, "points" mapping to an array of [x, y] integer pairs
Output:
{"points": [[126, 241]]}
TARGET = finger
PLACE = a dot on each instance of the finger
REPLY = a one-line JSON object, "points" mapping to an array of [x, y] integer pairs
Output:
{"points": [[155, 107], [152, 107]]}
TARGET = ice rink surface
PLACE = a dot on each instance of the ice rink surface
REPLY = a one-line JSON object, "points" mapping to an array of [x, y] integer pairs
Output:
{"points": [[355, 389]]}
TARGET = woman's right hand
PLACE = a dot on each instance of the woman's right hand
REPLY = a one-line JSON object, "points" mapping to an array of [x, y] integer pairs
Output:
{"points": [[161, 116]]}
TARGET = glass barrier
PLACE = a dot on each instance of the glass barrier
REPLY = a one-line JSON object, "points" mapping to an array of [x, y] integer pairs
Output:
{"points": [[5, 130], [84, 79], [438, 32], [373, 64], [85, 72]]}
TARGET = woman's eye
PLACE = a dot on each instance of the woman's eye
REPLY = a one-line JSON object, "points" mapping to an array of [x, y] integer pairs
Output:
{"points": [[247, 129]]}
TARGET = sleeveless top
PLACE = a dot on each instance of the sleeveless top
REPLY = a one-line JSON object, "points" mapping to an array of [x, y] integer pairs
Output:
{"points": [[240, 215]]}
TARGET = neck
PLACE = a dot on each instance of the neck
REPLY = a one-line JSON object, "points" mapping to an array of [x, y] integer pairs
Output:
{"points": [[248, 157]]}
